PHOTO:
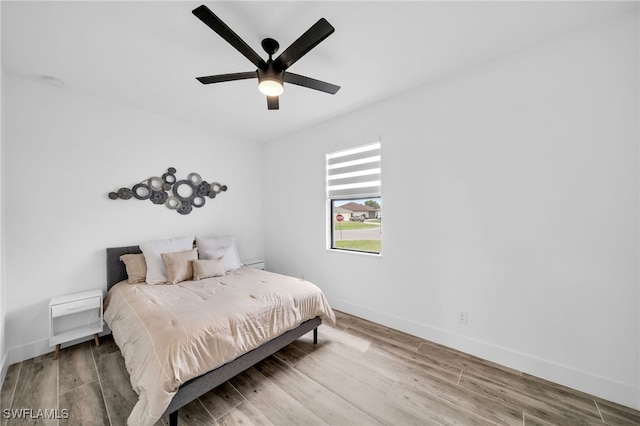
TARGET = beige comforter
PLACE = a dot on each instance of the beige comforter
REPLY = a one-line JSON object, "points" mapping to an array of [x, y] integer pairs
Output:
{"points": [[169, 334]]}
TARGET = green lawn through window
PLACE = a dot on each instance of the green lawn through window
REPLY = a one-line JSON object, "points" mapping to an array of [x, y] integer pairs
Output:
{"points": [[363, 245]]}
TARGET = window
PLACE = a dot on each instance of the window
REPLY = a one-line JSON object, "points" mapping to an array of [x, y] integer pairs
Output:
{"points": [[354, 199]]}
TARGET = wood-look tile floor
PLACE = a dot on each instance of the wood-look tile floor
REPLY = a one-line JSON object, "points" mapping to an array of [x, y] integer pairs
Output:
{"points": [[359, 373]]}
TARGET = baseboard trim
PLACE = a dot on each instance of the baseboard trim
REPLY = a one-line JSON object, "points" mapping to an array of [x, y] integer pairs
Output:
{"points": [[4, 367], [30, 350], [41, 347], [583, 381]]}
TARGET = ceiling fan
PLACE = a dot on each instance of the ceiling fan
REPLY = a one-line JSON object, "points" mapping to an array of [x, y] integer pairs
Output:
{"points": [[273, 73]]}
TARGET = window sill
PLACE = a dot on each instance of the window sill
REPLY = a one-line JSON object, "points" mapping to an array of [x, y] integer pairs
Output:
{"points": [[354, 252]]}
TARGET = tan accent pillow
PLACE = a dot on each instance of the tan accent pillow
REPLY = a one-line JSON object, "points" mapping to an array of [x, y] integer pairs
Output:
{"points": [[136, 267], [178, 265], [205, 268]]}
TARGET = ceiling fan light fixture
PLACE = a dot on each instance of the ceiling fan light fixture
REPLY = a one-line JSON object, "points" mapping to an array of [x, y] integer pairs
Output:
{"points": [[271, 87]]}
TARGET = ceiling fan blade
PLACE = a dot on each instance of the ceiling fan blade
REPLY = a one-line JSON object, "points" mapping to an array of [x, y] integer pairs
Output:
{"points": [[273, 102], [311, 83], [227, 77], [307, 41], [212, 21]]}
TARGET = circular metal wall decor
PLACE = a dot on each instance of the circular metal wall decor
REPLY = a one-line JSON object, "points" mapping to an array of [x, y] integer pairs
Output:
{"points": [[179, 195]]}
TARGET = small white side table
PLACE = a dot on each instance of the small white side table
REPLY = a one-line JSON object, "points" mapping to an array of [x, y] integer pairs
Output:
{"points": [[73, 316], [254, 263]]}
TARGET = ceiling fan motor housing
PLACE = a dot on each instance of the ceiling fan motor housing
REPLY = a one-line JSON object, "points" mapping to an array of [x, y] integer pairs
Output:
{"points": [[270, 73], [269, 77]]}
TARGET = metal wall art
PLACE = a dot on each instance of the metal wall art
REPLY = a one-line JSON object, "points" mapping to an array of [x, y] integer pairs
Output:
{"points": [[178, 195]]}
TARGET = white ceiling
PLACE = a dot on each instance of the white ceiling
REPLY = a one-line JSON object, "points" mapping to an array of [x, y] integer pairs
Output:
{"points": [[147, 54]]}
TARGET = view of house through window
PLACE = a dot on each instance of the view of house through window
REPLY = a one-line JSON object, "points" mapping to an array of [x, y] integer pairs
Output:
{"points": [[355, 199], [357, 224]]}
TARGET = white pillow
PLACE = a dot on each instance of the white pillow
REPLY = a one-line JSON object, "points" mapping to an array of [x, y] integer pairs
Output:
{"points": [[153, 250], [222, 246]]}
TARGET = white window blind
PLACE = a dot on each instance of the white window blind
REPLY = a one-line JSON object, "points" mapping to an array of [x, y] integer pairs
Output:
{"points": [[354, 172]]}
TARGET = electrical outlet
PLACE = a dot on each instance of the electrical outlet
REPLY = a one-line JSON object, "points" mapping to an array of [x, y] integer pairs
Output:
{"points": [[462, 317]]}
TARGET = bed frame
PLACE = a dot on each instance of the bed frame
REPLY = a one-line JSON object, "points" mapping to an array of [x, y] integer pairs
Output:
{"points": [[200, 385]]}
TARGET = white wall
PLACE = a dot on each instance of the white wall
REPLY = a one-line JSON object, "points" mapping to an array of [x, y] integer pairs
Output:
{"points": [[63, 153], [3, 298], [525, 173]]}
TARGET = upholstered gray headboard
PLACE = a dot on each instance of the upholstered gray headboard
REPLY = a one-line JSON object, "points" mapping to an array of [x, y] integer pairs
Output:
{"points": [[116, 270]]}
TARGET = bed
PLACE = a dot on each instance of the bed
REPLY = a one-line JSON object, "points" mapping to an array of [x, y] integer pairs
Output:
{"points": [[150, 353]]}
